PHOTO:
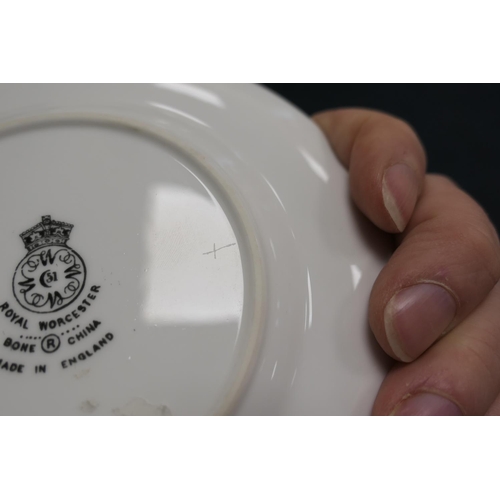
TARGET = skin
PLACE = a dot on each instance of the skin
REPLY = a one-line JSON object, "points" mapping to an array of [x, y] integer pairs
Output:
{"points": [[443, 238]]}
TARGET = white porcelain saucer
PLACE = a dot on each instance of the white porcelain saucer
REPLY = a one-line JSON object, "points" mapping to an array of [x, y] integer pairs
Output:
{"points": [[179, 249]]}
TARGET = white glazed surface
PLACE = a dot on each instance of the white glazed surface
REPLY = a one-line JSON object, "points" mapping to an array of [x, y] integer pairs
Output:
{"points": [[154, 177]]}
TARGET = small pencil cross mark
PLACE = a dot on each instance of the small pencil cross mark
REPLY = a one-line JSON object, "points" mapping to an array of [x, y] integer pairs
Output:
{"points": [[215, 250]]}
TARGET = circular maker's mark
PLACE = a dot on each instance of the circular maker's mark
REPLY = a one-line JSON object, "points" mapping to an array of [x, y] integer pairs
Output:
{"points": [[52, 275]]}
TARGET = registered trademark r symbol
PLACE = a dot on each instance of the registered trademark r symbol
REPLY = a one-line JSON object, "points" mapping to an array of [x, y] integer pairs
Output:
{"points": [[50, 343]]}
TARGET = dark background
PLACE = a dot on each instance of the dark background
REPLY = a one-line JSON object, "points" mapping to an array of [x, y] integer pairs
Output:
{"points": [[458, 124]]}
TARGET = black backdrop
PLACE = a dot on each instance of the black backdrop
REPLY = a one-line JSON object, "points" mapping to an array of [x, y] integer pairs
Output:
{"points": [[458, 124]]}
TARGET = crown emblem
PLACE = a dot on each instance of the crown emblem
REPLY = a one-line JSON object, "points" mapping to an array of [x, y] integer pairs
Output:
{"points": [[47, 232]]}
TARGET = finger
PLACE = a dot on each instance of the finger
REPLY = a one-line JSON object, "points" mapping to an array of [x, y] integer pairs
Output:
{"points": [[447, 263], [386, 163], [458, 375]]}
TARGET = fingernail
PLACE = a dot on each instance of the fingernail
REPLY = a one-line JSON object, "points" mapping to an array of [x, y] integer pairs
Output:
{"points": [[427, 404], [400, 191], [416, 317]]}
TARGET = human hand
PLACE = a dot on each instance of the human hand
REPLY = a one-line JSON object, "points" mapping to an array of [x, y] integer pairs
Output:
{"points": [[435, 307]]}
